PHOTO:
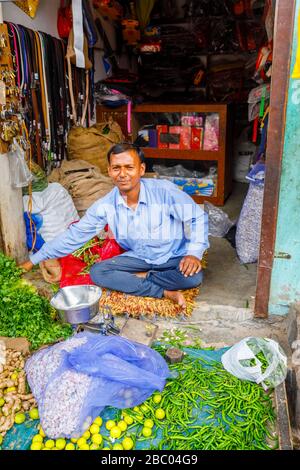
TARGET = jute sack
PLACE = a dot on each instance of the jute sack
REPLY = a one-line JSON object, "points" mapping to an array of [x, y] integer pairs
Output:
{"points": [[83, 181], [51, 270], [92, 144]]}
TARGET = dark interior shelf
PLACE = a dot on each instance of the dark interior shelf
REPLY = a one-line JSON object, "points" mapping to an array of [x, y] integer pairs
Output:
{"points": [[198, 53], [193, 19]]}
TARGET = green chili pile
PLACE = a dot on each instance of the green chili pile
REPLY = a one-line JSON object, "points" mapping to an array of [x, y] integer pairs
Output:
{"points": [[206, 408], [23, 312]]}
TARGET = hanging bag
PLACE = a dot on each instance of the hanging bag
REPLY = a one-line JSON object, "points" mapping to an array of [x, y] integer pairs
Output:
{"points": [[64, 19]]}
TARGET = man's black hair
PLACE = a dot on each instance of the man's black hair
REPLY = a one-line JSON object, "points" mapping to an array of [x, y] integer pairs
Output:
{"points": [[124, 147]]}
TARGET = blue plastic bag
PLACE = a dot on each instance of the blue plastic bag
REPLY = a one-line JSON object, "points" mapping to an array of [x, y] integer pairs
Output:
{"points": [[118, 359], [104, 371], [32, 231]]}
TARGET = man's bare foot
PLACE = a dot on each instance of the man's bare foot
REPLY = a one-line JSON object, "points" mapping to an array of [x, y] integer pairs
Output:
{"points": [[143, 275], [177, 297]]}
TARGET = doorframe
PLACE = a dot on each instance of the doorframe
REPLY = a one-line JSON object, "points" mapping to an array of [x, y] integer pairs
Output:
{"points": [[282, 52]]}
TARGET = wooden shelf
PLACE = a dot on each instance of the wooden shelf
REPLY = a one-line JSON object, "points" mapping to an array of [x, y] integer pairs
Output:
{"points": [[222, 157], [215, 200], [193, 19], [180, 108], [199, 53], [181, 154]]}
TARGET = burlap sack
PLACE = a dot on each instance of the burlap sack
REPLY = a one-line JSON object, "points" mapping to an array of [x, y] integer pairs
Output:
{"points": [[92, 144], [51, 270], [84, 182]]}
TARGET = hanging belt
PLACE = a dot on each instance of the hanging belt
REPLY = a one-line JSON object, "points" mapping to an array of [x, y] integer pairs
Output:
{"points": [[18, 46], [50, 80], [36, 102], [39, 59], [61, 96], [11, 29], [26, 83], [49, 134], [38, 55]]}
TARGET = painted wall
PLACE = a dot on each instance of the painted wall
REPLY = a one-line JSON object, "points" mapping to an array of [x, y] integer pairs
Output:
{"points": [[44, 21], [285, 282]]}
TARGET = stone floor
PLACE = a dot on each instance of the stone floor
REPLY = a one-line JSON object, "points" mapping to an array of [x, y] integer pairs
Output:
{"points": [[227, 282]]}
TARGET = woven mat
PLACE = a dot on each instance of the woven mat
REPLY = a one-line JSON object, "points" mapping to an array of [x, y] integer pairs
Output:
{"points": [[120, 303], [135, 307]]}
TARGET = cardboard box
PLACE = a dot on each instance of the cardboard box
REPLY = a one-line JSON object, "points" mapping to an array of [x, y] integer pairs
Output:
{"points": [[185, 138], [175, 130], [160, 130], [196, 138]]}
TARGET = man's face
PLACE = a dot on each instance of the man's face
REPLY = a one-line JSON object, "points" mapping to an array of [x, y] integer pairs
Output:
{"points": [[126, 170]]}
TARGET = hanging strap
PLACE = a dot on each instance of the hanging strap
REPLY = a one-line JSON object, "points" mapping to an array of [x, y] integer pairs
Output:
{"points": [[41, 72], [78, 32], [87, 89], [71, 91], [44, 89], [25, 59]]}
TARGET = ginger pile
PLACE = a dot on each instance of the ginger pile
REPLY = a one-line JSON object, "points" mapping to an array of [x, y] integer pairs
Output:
{"points": [[13, 395]]}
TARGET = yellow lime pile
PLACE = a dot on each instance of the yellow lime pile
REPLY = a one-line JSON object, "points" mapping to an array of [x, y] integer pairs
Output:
{"points": [[115, 434]]}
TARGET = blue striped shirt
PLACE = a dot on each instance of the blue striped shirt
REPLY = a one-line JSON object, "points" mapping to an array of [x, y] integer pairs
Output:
{"points": [[166, 223]]}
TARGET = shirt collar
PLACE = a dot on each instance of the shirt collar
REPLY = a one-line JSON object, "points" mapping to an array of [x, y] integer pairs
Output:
{"points": [[142, 197]]}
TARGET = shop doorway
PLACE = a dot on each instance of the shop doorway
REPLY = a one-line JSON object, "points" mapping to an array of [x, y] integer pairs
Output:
{"points": [[284, 25], [227, 281], [249, 285]]}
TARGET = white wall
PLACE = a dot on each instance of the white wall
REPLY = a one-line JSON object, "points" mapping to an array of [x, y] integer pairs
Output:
{"points": [[45, 20]]}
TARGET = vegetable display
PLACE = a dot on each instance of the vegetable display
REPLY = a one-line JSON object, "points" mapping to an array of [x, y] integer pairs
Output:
{"points": [[14, 397], [202, 407], [23, 312], [209, 409]]}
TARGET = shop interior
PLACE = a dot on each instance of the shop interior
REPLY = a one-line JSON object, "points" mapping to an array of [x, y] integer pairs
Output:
{"points": [[186, 80]]}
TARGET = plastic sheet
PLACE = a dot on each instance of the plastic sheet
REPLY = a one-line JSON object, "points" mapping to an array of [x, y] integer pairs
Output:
{"points": [[82, 379]]}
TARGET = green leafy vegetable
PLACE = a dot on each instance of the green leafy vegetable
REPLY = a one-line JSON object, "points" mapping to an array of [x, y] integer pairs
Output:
{"points": [[23, 312]]}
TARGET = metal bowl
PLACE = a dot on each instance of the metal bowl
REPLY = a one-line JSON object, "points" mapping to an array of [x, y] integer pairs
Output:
{"points": [[77, 304]]}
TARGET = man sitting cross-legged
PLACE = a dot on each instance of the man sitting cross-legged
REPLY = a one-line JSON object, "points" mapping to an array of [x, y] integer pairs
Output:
{"points": [[163, 231]]}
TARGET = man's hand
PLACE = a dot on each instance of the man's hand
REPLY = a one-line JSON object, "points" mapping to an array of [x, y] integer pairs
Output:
{"points": [[190, 265], [27, 266]]}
